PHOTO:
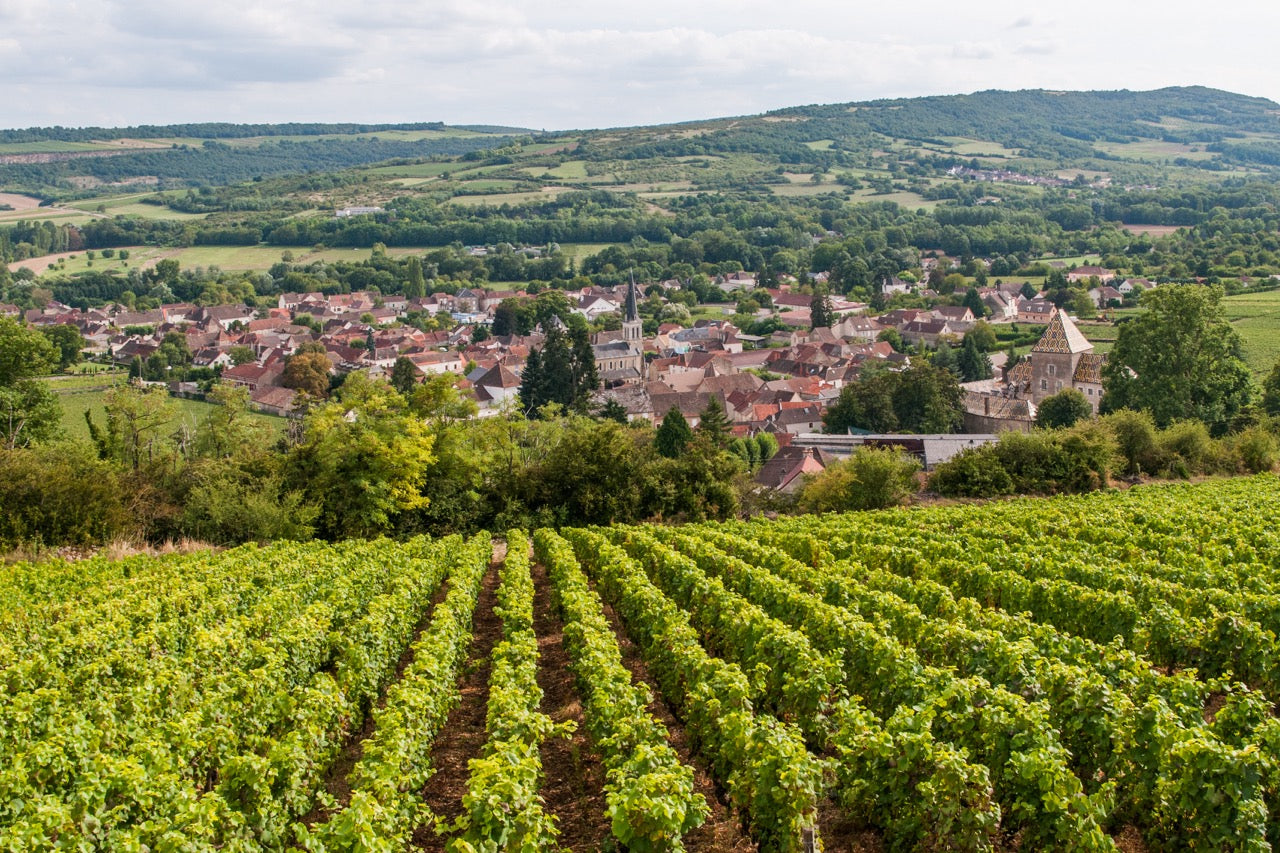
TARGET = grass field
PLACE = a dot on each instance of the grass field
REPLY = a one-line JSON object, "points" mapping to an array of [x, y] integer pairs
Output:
{"points": [[59, 215], [570, 170], [906, 199], [130, 205], [511, 198], [1256, 316], [223, 257], [77, 401]]}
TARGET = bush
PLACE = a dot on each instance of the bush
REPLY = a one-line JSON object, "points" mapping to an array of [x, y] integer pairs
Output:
{"points": [[1186, 448], [1063, 409], [1256, 448], [1135, 437], [973, 473], [61, 495], [872, 478]]}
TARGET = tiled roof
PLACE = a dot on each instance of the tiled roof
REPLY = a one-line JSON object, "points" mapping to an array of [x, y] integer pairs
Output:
{"points": [[1062, 336], [1020, 373], [1090, 369]]}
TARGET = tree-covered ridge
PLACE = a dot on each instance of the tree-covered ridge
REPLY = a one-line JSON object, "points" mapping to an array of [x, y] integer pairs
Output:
{"points": [[1089, 116], [1036, 122], [216, 163], [226, 130]]}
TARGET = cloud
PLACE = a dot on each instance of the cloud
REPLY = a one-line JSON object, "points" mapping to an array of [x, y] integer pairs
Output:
{"points": [[576, 63]]}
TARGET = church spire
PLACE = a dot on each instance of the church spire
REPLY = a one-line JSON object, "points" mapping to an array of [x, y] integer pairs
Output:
{"points": [[632, 311], [632, 326]]}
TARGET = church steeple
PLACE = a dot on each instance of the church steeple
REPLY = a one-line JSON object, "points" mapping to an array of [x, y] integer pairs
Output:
{"points": [[632, 327]]}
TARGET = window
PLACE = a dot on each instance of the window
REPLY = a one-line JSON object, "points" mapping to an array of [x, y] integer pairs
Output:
{"points": [[1053, 370], [1044, 384]]}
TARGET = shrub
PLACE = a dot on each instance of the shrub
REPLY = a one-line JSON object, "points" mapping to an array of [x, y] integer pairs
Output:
{"points": [[1135, 436], [1256, 447], [872, 478], [1187, 448], [61, 495], [975, 472]]}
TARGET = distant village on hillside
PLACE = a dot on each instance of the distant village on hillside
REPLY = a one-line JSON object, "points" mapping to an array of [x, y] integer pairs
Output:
{"points": [[780, 384]]}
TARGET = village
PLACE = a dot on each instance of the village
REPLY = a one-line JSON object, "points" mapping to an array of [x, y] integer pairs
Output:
{"points": [[779, 384]]}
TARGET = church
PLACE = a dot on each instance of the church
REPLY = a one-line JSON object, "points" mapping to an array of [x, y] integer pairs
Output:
{"points": [[620, 355], [1062, 358]]}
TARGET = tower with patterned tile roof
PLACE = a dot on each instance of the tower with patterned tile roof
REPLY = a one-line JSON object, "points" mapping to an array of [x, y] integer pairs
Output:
{"points": [[1062, 358]]}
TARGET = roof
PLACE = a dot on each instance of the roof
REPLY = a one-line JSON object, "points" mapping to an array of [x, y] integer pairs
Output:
{"points": [[1062, 336], [1090, 369]]}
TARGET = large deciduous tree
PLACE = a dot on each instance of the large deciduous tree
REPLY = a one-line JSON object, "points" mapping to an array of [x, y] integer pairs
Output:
{"points": [[29, 413], [363, 459], [922, 399], [1179, 360], [307, 370]]}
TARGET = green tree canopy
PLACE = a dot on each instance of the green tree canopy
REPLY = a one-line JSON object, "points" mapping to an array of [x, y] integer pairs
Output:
{"points": [[1063, 409], [68, 342], [713, 423], [922, 399], [24, 352], [363, 459], [307, 370], [1180, 360], [673, 434], [973, 363]]}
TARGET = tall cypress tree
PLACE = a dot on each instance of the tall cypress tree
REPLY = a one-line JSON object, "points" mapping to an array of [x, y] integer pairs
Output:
{"points": [[673, 435], [532, 384], [714, 423]]}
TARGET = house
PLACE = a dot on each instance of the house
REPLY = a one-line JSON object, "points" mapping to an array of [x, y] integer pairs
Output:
{"points": [[496, 387], [959, 317], [253, 376], [1134, 285], [1036, 310], [1102, 274], [785, 470], [1106, 296], [854, 327], [274, 401], [927, 332], [893, 284], [1001, 306], [433, 363]]}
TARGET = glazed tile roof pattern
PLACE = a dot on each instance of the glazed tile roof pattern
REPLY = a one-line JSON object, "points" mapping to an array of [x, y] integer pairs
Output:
{"points": [[1020, 374], [1090, 369], [1062, 336]]}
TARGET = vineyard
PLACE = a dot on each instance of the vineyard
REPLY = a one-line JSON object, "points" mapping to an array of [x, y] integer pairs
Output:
{"points": [[1088, 673]]}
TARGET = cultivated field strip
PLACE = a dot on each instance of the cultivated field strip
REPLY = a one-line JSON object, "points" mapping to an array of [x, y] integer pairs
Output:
{"points": [[650, 793], [386, 804], [202, 703], [770, 777], [503, 800]]}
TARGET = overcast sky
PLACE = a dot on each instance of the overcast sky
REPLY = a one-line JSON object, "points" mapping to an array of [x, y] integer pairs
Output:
{"points": [[563, 64]]}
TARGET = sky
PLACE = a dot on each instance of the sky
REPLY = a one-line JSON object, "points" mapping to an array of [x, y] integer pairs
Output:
{"points": [[573, 64]]}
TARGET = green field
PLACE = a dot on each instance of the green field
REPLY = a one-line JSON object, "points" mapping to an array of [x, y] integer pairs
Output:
{"points": [[130, 205], [91, 399], [1256, 316]]}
